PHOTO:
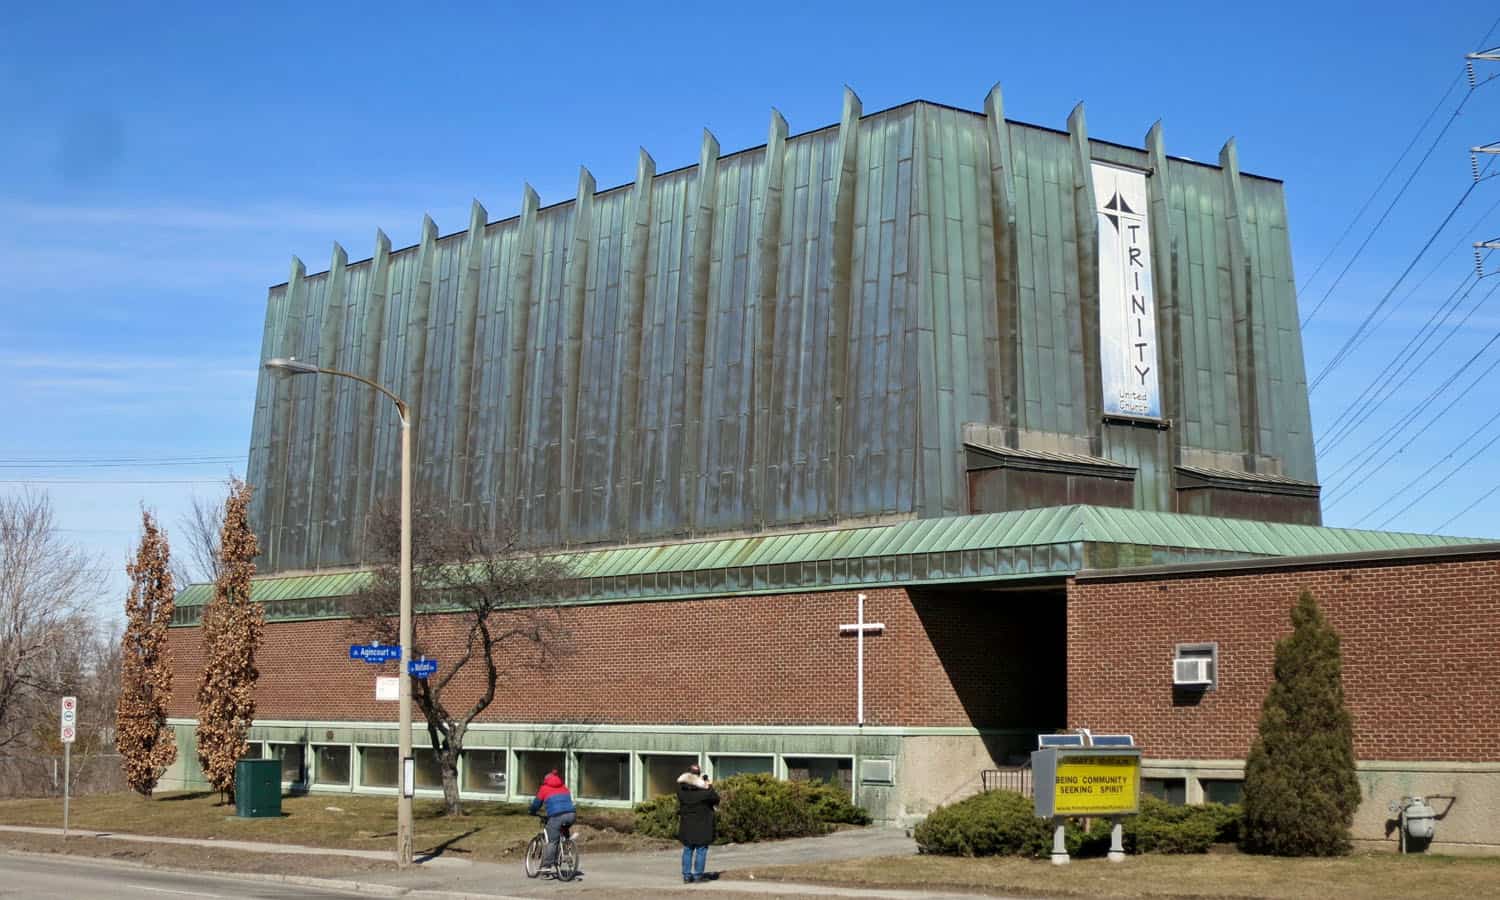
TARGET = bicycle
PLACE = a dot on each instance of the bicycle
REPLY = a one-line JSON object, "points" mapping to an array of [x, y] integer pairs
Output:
{"points": [[567, 854]]}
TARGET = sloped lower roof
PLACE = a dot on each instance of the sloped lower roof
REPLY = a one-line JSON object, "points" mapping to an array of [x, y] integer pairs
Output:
{"points": [[1171, 536]]}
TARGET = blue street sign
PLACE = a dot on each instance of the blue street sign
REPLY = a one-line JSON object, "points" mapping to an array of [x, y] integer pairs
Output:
{"points": [[374, 653], [421, 668]]}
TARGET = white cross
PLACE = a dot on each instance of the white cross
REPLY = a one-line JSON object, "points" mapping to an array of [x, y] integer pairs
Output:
{"points": [[861, 628]]}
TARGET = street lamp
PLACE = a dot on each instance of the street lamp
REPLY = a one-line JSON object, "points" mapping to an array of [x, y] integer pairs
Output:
{"points": [[287, 366]]}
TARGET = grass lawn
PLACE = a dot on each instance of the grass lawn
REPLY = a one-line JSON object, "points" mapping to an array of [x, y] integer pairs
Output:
{"points": [[486, 832], [1365, 876]]}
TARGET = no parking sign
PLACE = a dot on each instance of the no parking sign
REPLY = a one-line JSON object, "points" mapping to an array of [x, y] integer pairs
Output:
{"points": [[69, 719]]}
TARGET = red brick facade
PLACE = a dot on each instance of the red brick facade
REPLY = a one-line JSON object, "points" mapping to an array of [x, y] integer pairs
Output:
{"points": [[1421, 671], [958, 657]]}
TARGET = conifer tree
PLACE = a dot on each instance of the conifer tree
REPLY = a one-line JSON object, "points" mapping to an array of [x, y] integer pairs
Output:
{"points": [[147, 746], [1301, 791], [232, 627]]}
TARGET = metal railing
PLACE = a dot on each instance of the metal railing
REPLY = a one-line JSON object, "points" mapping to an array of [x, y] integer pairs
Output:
{"points": [[1012, 778]]}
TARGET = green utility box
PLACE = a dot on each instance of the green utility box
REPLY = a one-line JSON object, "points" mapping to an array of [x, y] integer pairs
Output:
{"points": [[257, 788]]}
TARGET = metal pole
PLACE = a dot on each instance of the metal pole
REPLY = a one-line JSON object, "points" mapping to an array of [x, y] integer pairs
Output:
{"points": [[67, 783], [403, 802]]}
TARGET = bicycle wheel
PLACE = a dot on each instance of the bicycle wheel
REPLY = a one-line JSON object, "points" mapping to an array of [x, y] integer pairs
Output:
{"points": [[567, 860], [533, 859]]}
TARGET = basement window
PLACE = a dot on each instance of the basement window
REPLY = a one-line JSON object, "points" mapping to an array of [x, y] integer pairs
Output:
{"points": [[1222, 790], [727, 766], [378, 767], [604, 776], [660, 773], [1172, 790], [290, 756], [332, 766], [532, 766], [429, 774], [484, 771], [837, 771]]}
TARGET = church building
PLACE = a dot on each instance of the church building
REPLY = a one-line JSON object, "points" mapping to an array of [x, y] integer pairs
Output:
{"points": [[873, 453]]}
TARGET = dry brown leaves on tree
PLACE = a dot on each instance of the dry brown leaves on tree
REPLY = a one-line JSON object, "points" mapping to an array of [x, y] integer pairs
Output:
{"points": [[232, 628], [147, 746]]}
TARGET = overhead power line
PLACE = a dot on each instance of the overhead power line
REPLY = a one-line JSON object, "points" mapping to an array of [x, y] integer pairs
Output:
{"points": [[1460, 514], [1381, 388], [1359, 334], [1347, 487], [54, 481], [123, 465], [1442, 481], [7, 460], [1457, 80]]}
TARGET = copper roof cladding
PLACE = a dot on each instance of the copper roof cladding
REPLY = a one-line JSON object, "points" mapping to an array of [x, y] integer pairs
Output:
{"points": [[785, 337]]}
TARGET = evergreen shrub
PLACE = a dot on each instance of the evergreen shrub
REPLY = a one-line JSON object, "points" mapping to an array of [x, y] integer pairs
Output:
{"points": [[1301, 791], [759, 808]]}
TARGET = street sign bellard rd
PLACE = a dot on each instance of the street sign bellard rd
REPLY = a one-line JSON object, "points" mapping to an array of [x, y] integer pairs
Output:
{"points": [[69, 719], [421, 668]]}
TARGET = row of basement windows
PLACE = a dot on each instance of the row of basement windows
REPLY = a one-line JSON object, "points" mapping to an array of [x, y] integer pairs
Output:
{"points": [[593, 775], [1214, 790]]}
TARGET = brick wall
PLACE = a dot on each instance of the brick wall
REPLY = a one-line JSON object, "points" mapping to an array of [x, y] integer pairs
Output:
{"points": [[1421, 668], [950, 658]]}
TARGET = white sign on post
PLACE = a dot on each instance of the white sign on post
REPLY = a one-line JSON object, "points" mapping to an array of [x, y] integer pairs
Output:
{"points": [[69, 732], [69, 719], [387, 687]]}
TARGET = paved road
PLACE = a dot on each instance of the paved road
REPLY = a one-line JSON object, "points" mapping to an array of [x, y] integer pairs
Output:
{"points": [[625, 876], [72, 878]]}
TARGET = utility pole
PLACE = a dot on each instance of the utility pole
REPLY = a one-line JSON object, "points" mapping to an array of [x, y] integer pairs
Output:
{"points": [[1490, 149]]}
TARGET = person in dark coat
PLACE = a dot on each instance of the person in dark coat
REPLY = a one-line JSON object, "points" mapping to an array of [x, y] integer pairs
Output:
{"points": [[696, 799]]}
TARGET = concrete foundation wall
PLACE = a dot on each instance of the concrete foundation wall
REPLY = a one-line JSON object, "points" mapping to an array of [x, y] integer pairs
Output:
{"points": [[1466, 825]]}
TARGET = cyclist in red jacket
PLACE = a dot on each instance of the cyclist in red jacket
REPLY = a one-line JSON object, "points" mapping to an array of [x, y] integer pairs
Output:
{"points": [[554, 800]]}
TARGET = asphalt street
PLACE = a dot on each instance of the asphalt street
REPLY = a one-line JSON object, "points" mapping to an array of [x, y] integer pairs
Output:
{"points": [[71, 878]]}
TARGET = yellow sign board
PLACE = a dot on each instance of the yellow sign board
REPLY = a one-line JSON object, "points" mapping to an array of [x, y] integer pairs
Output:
{"points": [[1096, 785]]}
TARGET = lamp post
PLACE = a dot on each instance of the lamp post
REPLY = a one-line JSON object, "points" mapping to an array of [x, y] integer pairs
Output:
{"points": [[286, 366]]}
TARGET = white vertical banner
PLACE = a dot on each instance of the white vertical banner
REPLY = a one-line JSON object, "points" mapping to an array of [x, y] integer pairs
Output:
{"points": [[1128, 358]]}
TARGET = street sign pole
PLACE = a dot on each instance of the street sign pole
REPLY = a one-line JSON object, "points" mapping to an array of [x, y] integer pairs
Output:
{"points": [[69, 730], [67, 783]]}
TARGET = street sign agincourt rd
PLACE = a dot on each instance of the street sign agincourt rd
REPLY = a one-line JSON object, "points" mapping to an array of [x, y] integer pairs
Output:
{"points": [[374, 652]]}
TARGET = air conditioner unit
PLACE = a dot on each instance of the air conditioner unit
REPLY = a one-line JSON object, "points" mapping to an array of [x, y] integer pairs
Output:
{"points": [[1193, 671]]}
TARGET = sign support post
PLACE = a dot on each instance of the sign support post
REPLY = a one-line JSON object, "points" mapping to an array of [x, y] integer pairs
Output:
{"points": [[69, 731], [1116, 840], [1060, 842]]}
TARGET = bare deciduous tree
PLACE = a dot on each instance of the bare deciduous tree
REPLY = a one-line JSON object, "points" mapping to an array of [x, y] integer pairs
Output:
{"points": [[198, 531], [487, 611], [46, 585]]}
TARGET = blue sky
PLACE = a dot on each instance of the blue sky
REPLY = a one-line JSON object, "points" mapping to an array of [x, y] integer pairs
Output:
{"points": [[159, 167]]}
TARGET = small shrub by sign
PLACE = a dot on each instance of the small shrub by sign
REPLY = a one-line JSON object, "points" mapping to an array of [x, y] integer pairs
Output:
{"points": [[994, 823], [1163, 828], [1003, 823], [759, 808]]}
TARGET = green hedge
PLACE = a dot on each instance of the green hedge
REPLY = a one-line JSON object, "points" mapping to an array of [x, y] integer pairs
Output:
{"points": [[1004, 823], [759, 808], [994, 823]]}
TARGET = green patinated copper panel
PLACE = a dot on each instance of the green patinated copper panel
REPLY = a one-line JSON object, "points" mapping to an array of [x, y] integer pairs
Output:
{"points": [[753, 343]]}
